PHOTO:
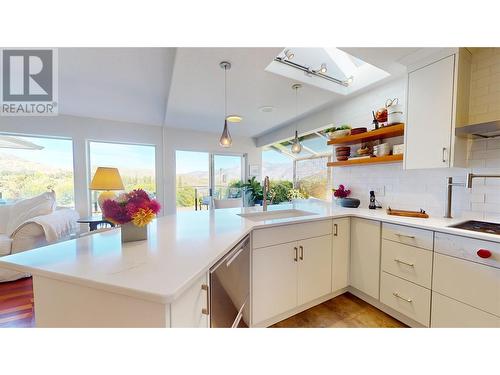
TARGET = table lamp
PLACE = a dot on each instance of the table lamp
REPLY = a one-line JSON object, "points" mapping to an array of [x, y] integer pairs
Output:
{"points": [[106, 179]]}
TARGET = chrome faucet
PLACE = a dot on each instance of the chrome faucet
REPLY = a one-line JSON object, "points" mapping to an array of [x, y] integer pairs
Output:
{"points": [[449, 193], [265, 190], [470, 176], [468, 185]]}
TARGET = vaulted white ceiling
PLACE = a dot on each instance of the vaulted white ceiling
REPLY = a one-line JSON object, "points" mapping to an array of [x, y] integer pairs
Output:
{"points": [[123, 84], [184, 87]]}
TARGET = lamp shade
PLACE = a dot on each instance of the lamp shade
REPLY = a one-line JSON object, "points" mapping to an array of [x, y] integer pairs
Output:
{"points": [[107, 179]]}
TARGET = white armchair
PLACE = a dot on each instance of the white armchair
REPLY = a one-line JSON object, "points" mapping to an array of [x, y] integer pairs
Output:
{"points": [[20, 232]]}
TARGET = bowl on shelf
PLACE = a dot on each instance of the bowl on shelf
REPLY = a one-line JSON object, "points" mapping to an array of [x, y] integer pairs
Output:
{"points": [[342, 153], [358, 131], [382, 149], [339, 133]]}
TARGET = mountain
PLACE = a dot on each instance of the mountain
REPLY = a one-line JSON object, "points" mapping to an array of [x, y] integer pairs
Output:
{"points": [[11, 163], [278, 171]]}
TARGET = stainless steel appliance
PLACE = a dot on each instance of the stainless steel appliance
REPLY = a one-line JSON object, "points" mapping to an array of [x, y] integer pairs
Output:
{"points": [[479, 226], [230, 288]]}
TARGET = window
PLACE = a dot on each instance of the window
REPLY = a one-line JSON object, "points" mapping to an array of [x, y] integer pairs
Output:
{"points": [[32, 165], [313, 177], [277, 166], [136, 164], [201, 176]]}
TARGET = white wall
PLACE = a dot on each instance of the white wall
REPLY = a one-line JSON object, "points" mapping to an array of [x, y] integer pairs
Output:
{"points": [[188, 140], [81, 130]]}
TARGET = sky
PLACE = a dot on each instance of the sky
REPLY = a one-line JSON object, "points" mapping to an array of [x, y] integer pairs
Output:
{"points": [[57, 153], [191, 161]]}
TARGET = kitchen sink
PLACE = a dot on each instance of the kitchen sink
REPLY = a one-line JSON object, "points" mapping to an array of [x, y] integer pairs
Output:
{"points": [[277, 214], [479, 226]]}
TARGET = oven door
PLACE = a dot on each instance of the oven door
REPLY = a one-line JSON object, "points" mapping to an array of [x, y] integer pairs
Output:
{"points": [[230, 288]]}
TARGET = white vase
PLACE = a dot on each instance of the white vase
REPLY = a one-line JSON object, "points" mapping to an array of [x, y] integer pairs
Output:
{"points": [[131, 232]]}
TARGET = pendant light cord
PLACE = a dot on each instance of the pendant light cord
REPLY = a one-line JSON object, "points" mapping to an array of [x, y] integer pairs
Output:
{"points": [[296, 108], [225, 93]]}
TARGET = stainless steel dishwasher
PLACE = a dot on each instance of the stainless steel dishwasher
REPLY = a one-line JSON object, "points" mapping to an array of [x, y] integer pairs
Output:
{"points": [[230, 288]]}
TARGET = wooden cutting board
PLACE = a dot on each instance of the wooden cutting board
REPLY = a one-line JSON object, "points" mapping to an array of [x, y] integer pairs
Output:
{"points": [[420, 213]]}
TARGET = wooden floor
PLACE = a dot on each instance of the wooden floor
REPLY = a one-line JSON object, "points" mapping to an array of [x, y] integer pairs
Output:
{"points": [[345, 311], [16, 304]]}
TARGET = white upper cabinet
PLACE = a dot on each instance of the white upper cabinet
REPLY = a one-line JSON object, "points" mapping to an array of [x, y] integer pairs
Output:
{"points": [[435, 107]]}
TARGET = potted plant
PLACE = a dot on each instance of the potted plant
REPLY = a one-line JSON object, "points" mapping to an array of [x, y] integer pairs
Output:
{"points": [[254, 188], [339, 131], [133, 211], [341, 195]]}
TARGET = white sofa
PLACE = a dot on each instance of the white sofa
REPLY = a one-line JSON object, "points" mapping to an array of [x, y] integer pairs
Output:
{"points": [[32, 223]]}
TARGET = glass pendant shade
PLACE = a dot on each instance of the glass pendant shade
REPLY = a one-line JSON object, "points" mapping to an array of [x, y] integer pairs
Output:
{"points": [[296, 146], [225, 139]]}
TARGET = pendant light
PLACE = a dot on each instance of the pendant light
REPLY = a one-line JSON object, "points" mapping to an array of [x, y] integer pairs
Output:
{"points": [[225, 139], [296, 146]]}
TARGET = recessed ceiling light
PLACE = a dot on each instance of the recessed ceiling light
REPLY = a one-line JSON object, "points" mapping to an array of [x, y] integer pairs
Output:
{"points": [[266, 108], [234, 118], [323, 68]]}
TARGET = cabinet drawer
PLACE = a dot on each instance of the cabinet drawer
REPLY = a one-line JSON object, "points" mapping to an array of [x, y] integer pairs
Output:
{"points": [[472, 283], [449, 313], [292, 232], [409, 299], [186, 311], [408, 262], [408, 235], [466, 248]]}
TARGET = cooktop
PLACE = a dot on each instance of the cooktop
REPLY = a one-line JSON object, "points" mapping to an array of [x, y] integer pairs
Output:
{"points": [[479, 226]]}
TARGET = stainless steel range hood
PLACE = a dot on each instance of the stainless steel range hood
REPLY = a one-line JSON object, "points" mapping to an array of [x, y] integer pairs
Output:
{"points": [[481, 130]]}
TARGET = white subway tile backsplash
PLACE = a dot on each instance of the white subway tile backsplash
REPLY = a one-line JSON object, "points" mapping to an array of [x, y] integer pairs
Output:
{"points": [[426, 189]]}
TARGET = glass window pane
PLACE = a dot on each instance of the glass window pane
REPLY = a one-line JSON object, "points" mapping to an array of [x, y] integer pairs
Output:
{"points": [[227, 176], [136, 164], [192, 180], [313, 178], [277, 165], [25, 173]]}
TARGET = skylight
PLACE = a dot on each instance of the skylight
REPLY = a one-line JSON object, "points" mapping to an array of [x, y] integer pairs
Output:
{"points": [[328, 68]]}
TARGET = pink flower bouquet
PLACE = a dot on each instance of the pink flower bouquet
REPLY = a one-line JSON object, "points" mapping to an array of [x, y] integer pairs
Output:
{"points": [[135, 207], [341, 192]]}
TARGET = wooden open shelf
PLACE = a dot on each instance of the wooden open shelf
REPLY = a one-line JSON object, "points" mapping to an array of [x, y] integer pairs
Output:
{"points": [[382, 133], [373, 160]]}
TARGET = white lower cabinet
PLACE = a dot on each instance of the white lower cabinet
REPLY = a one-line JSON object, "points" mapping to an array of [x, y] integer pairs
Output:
{"points": [[274, 280], [450, 313], [341, 244], [289, 275], [405, 297], [314, 268], [365, 256], [187, 310]]}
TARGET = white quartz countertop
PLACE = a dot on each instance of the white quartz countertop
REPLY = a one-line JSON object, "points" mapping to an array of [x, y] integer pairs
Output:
{"points": [[180, 249]]}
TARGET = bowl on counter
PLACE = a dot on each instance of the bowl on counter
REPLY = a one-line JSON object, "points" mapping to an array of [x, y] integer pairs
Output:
{"points": [[348, 202]]}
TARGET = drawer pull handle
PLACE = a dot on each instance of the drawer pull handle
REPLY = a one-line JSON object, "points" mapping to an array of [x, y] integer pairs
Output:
{"points": [[405, 235], [296, 253], [301, 252], [403, 262], [483, 253], [206, 310], [395, 294]]}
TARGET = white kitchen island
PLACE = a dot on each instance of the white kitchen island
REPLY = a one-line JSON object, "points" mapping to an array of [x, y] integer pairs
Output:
{"points": [[95, 281]]}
